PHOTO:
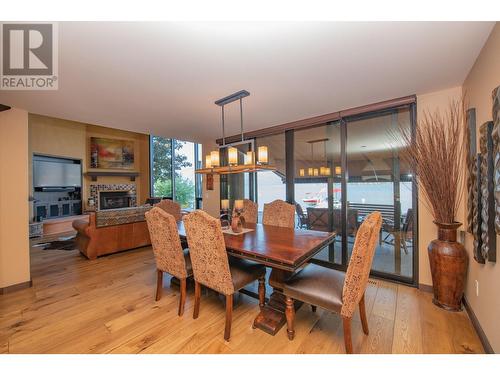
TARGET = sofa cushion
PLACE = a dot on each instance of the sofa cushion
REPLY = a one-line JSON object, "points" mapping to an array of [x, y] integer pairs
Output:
{"points": [[106, 218]]}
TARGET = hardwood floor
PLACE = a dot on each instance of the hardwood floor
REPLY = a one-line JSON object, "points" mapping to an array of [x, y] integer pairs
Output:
{"points": [[108, 306]]}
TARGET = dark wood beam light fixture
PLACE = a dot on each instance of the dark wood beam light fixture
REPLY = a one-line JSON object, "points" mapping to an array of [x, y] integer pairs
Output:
{"points": [[252, 163]]}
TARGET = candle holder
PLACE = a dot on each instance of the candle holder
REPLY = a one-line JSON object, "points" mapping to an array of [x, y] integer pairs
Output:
{"points": [[224, 219], [237, 221]]}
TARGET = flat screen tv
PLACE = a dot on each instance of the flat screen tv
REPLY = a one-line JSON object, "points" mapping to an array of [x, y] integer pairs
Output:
{"points": [[53, 172]]}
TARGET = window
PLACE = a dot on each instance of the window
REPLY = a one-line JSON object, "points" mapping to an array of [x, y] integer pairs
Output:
{"points": [[161, 171], [198, 183], [184, 187], [174, 179]]}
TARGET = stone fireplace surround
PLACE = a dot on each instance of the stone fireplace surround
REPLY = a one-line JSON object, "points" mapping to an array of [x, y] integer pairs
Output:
{"points": [[96, 188]]}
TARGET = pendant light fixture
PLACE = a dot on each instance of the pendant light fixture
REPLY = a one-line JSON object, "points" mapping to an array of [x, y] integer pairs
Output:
{"points": [[310, 171], [314, 171], [213, 162], [325, 171]]}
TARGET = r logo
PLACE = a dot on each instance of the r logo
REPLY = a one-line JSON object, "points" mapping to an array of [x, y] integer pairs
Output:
{"points": [[27, 49]]}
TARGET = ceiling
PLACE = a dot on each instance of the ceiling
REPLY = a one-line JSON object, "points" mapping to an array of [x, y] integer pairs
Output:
{"points": [[163, 78]]}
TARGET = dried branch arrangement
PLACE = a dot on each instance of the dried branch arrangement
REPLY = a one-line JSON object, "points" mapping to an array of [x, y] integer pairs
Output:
{"points": [[437, 154]]}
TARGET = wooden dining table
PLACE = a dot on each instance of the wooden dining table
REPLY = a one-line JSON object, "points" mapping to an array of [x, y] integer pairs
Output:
{"points": [[284, 250]]}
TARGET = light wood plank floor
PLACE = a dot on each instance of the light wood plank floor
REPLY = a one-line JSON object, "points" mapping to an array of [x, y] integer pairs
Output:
{"points": [[107, 306]]}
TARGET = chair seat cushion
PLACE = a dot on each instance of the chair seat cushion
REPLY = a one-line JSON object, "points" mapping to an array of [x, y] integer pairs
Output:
{"points": [[243, 272], [187, 259], [316, 285]]}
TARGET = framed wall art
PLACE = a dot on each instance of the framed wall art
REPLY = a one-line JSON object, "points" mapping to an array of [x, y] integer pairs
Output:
{"points": [[111, 153]]}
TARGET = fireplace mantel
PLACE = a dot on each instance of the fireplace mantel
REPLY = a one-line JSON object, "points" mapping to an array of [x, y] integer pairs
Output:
{"points": [[95, 174]]}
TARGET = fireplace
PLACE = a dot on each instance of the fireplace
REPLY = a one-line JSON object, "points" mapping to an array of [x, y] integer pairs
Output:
{"points": [[115, 199]]}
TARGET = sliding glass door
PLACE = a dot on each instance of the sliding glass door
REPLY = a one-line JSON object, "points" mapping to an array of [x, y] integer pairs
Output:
{"points": [[345, 170], [317, 184], [271, 185], [378, 180]]}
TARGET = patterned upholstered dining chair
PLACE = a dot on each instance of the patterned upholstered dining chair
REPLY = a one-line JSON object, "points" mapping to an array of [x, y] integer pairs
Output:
{"points": [[212, 267], [334, 290], [250, 211], [171, 207], [279, 213], [169, 255]]}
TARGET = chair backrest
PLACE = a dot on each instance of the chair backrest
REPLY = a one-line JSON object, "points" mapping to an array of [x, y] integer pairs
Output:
{"points": [[250, 211], [359, 267], [279, 213], [300, 213], [152, 200], [171, 207], [318, 218], [208, 252], [166, 243]]}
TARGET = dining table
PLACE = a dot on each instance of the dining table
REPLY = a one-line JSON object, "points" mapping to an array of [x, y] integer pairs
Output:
{"points": [[284, 250]]}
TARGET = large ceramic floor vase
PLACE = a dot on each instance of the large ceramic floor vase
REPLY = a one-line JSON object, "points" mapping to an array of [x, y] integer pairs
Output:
{"points": [[448, 260]]}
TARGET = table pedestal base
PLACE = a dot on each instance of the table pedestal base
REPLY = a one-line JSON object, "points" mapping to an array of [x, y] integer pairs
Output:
{"points": [[272, 316]]}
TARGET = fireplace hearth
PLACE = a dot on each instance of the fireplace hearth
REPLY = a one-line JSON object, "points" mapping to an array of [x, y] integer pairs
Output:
{"points": [[114, 199]]}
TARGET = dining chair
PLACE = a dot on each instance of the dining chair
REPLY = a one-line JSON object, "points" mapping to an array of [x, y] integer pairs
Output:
{"points": [[303, 219], [153, 200], [279, 213], [334, 290], [169, 254], [319, 219], [171, 207], [404, 233], [214, 269], [250, 211]]}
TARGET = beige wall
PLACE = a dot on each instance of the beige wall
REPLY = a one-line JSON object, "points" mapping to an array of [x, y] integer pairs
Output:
{"points": [[64, 138], [14, 211], [480, 82]]}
